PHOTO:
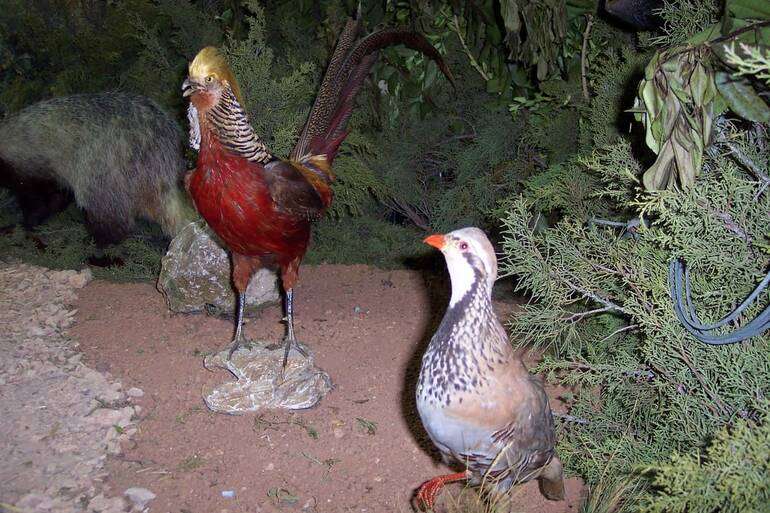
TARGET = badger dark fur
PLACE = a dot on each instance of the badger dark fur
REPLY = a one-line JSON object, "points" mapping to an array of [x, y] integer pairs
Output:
{"points": [[119, 155]]}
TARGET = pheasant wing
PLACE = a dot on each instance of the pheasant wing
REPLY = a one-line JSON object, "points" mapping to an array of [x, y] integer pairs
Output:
{"points": [[292, 191]]}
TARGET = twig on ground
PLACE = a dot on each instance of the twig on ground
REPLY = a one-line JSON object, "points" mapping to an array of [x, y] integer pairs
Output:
{"points": [[571, 418]]}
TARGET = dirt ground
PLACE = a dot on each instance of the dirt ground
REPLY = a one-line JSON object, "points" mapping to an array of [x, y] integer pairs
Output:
{"points": [[361, 450]]}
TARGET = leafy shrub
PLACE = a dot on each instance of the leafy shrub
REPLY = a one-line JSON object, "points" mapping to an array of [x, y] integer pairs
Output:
{"points": [[731, 475], [653, 407]]}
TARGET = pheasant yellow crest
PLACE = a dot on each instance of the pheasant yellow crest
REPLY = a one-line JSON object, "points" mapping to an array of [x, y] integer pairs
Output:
{"points": [[211, 63]]}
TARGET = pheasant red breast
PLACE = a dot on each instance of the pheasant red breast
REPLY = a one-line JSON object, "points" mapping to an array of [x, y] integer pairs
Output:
{"points": [[476, 399]]}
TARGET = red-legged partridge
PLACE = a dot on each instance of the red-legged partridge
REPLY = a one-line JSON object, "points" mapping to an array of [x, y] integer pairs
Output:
{"points": [[477, 401]]}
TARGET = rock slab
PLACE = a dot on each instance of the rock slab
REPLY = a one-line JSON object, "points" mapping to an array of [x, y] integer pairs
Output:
{"points": [[195, 276], [259, 384]]}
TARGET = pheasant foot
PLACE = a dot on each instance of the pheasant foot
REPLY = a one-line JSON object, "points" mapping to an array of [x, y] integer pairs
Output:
{"points": [[236, 344]]}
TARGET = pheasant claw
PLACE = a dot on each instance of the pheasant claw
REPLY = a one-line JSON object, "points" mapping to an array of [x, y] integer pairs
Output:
{"points": [[236, 344]]}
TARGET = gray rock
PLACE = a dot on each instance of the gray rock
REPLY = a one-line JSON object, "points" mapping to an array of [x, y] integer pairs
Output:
{"points": [[139, 496], [101, 503], [259, 384], [80, 279], [195, 276]]}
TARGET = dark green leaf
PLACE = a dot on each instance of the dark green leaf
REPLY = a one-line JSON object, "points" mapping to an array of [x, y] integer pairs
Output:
{"points": [[493, 34], [576, 8], [749, 9], [742, 98], [510, 13]]}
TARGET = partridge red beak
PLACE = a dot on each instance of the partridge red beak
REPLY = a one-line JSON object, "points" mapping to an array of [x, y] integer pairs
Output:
{"points": [[437, 241]]}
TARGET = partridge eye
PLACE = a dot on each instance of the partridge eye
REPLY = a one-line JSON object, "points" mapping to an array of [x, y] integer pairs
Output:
{"points": [[463, 246]]}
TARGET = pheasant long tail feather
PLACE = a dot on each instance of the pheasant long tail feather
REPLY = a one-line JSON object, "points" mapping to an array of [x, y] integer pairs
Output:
{"points": [[324, 103], [328, 143], [325, 128], [392, 37]]}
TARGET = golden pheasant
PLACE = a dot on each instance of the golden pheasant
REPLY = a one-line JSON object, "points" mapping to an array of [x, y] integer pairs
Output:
{"points": [[476, 399], [261, 206]]}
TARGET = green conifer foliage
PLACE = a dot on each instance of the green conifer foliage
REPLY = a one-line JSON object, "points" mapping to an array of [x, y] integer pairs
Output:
{"points": [[276, 95], [61, 47], [680, 423], [731, 475], [602, 302]]}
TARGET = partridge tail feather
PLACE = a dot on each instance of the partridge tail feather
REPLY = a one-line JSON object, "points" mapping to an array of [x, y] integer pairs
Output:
{"points": [[552, 480]]}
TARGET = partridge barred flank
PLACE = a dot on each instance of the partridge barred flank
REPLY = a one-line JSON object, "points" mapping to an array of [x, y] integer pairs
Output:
{"points": [[452, 362]]}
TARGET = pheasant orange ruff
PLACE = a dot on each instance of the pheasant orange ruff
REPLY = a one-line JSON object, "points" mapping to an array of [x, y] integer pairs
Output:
{"points": [[211, 63]]}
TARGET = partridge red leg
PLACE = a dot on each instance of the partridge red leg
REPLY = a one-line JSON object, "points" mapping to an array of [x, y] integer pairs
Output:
{"points": [[429, 490]]}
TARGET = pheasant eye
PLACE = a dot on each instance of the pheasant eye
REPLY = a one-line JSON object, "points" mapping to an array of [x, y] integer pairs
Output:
{"points": [[209, 78], [463, 246]]}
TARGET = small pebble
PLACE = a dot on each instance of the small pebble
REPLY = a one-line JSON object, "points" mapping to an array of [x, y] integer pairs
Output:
{"points": [[228, 494], [139, 496], [135, 392]]}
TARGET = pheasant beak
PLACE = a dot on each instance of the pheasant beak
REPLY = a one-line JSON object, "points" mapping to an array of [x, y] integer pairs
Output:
{"points": [[189, 86], [437, 241]]}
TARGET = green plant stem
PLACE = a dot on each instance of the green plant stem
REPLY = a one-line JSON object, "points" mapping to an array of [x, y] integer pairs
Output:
{"points": [[584, 56], [474, 63]]}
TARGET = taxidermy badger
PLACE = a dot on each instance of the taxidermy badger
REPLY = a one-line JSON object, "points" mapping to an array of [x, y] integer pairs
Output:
{"points": [[119, 155]]}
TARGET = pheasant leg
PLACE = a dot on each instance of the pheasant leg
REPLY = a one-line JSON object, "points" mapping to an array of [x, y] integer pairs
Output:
{"points": [[289, 341], [429, 490], [238, 340]]}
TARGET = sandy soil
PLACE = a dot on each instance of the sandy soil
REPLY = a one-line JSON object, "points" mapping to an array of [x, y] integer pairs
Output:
{"points": [[362, 449]]}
